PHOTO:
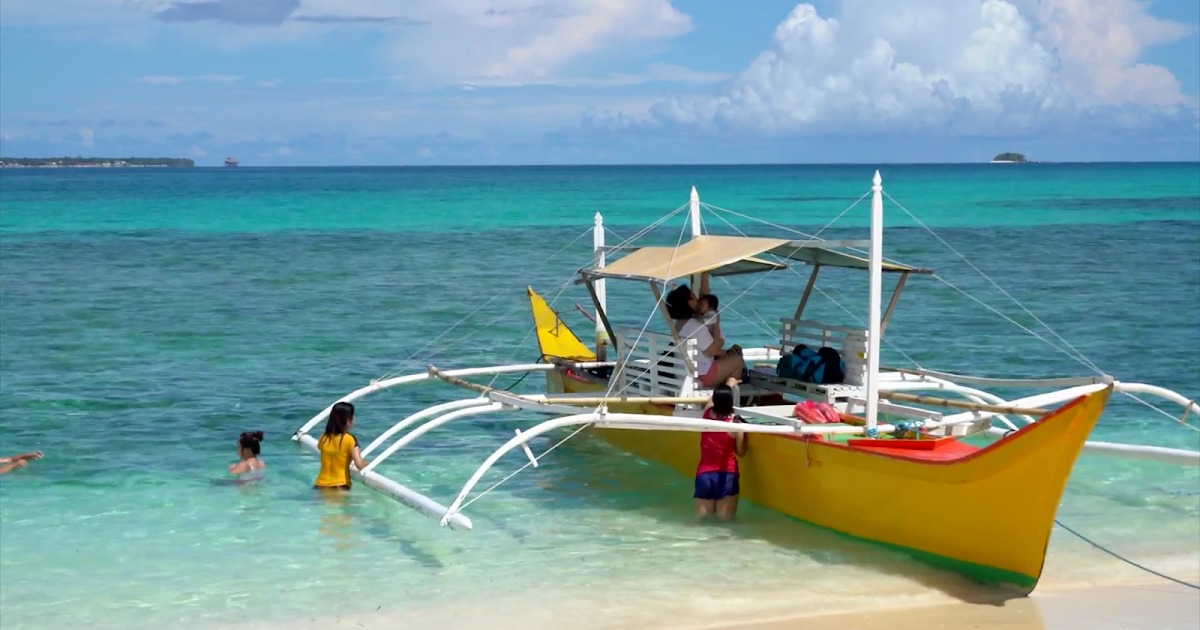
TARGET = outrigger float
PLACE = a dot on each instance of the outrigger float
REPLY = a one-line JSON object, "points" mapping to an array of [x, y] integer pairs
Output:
{"points": [[892, 472]]}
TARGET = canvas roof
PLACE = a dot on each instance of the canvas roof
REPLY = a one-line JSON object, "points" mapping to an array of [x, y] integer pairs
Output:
{"points": [[727, 255]]}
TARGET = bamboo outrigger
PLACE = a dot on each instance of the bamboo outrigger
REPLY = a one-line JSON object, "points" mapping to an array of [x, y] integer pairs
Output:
{"points": [[891, 473]]}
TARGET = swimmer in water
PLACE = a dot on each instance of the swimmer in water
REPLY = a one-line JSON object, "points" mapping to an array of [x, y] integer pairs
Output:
{"points": [[251, 467], [18, 461]]}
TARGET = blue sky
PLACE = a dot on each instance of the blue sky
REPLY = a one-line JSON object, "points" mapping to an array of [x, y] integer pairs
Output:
{"points": [[344, 82]]}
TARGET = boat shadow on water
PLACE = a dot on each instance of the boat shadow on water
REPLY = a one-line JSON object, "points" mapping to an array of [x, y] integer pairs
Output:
{"points": [[602, 477]]}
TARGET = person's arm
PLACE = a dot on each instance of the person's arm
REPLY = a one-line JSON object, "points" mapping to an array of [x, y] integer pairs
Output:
{"points": [[740, 446], [12, 464], [359, 462], [239, 467], [33, 455]]}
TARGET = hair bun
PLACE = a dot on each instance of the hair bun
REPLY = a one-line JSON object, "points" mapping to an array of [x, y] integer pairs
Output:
{"points": [[258, 435]]}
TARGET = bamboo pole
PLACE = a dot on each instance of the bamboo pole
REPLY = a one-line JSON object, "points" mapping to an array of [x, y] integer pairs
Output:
{"points": [[458, 382], [618, 400], [963, 404]]}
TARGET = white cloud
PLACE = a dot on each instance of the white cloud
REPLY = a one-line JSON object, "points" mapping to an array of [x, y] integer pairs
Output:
{"points": [[1099, 43], [655, 73], [270, 83], [87, 138], [176, 80], [529, 40], [443, 42], [952, 65]]}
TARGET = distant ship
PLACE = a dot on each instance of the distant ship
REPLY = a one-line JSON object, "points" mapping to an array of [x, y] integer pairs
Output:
{"points": [[232, 162]]}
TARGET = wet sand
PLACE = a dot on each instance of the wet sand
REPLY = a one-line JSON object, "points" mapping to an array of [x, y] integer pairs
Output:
{"points": [[1143, 607]]}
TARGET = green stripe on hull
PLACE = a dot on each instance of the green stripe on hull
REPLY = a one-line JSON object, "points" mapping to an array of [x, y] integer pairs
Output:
{"points": [[991, 576]]}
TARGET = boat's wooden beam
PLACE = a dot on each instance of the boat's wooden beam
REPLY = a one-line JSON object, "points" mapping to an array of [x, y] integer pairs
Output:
{"points": [[458, 382], [619, 400], [887, 315], [963, 404], [812, 280], [591, 287]]}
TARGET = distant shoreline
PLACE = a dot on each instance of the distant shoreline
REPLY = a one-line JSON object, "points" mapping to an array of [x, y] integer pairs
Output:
{"points": [[96, 162], [679, 166]]}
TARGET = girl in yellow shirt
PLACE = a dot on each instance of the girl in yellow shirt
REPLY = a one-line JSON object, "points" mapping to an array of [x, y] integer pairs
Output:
{"points": [[338, 448]]}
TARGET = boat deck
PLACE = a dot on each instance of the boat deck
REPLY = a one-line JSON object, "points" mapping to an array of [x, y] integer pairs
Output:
{"points": [[948, 449], [763, 377]]}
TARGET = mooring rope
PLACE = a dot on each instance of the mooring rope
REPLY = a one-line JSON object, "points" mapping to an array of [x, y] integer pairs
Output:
{"points": [[1124, 559]]}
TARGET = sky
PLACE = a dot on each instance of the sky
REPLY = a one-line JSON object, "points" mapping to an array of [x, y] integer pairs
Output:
{"points": [[407, 82]]}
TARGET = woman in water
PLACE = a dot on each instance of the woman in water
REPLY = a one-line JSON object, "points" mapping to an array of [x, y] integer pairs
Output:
{"points": [[18, 461], [250, 467], [338, 448], [717, 472]]}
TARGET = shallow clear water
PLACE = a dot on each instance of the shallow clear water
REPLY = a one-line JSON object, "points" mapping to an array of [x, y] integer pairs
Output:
{"points": [[149, 317]]}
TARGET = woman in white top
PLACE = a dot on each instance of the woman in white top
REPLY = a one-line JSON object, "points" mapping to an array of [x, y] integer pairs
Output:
{"points": [[714, 365]]}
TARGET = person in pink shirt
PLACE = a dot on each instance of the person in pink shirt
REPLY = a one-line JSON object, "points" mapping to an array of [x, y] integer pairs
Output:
{"points": [[717, 471]]}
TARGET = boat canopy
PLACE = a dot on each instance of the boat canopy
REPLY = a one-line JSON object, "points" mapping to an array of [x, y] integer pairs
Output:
{"points": [[728, 256]]}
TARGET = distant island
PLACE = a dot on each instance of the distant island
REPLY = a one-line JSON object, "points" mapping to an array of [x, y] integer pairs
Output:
{"points": [[1008, 158], [82, 162]]}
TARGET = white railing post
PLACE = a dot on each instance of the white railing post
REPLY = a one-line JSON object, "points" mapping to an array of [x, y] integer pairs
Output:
{"points": [[602, 339], [875, 264]]}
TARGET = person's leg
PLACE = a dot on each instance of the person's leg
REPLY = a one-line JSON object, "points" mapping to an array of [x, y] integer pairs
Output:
{"points": [[727, 367], [706, 504], [727, 505]]}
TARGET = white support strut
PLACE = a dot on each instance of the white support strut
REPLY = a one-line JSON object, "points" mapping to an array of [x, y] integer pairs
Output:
{"points": [[421, 415], [429, 426], [424, 376], [611, 420]]}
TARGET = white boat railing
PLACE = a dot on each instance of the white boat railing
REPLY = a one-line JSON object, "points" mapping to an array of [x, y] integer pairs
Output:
{"points": [[648, 364], [851, 344]]}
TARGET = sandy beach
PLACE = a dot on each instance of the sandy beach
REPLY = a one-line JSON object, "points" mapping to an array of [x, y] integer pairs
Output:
{"points": [[1158, 606], [1145, 607], [1103, 604]]}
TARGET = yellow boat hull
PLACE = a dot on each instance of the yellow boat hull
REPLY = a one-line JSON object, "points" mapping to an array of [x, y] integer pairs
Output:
{"points": [[984, 512]]}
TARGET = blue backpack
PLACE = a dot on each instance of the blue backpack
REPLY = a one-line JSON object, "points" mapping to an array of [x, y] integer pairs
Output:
{"points": [[823, 366]]}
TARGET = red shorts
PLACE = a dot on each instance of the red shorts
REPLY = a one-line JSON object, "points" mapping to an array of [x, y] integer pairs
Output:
{"points": [[709, 378]]}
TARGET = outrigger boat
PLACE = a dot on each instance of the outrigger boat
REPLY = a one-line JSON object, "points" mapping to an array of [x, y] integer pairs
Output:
{"points": [[891, 472]]}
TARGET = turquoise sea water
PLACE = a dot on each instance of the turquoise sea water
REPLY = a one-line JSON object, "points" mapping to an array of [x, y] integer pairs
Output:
{"points": [[147, 317]]}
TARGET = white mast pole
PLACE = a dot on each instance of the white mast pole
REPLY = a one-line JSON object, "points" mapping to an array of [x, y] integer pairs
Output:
{"points": [[601, 297], [875, 265], [694, 212], [694, 219]]}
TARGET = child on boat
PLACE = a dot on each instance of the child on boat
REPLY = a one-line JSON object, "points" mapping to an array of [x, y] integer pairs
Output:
{"points": [[250, 468], [338, 447], [717, 473], [18, 461], [706, 305]]}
